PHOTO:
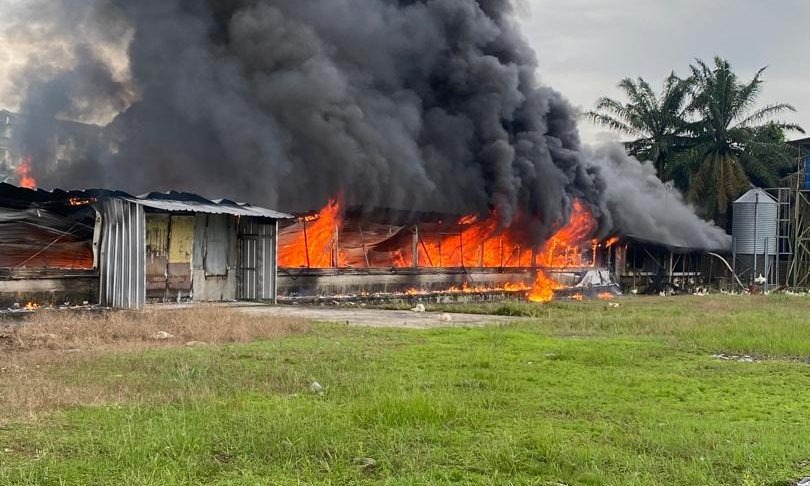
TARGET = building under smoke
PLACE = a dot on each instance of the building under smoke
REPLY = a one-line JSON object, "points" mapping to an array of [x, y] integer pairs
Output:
{"points": [[59, 145], [426, 107]]}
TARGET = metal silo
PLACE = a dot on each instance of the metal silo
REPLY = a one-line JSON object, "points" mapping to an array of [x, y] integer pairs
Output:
{"points": [[754, 233]]}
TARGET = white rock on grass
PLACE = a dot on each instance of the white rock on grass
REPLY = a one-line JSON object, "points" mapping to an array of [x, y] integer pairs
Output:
{"points": [[316, 388], [161, 336], [419, 308]]}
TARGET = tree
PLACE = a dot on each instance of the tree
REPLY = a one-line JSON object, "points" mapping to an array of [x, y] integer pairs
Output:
{"points": [[731, 143], [657, 121]]}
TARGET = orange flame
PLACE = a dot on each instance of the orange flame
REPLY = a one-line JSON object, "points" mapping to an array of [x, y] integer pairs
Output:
{"points": [[23, 170], [543, 289], [31, 306], [315, 245], [472, 242]]}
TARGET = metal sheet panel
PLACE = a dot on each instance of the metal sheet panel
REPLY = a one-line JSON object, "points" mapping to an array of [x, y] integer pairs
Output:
{"points": [[181, 247], [157, 250], [209, 207], [258, 259], [216, 246], [123, 255], [215, 250]]}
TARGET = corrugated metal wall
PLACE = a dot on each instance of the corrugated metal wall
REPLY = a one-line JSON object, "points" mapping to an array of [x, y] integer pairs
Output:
{"points": [[123, 255], [257, 259]]}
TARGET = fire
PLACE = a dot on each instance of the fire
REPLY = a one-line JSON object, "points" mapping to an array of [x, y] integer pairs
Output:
{"points": [[26, 179], [578, 297], [606, 296], [31, 306], [466, 288], [318, 241], [78, 201], [543, 289], [315, 245], [611, 241]]}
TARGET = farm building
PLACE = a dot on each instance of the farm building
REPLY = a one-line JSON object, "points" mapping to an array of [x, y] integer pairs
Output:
{"points": [[119, 251]]}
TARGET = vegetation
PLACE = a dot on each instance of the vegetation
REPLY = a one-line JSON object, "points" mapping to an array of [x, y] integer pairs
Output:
{"points": [[581, 393], [705, 132], [658, 123]]}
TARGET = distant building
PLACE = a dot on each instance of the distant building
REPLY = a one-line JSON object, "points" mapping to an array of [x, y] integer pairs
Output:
{"points": [[62, 141]]}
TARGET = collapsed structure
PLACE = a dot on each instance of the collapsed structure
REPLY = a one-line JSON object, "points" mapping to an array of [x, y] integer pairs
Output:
{"points": [[117, 250]]}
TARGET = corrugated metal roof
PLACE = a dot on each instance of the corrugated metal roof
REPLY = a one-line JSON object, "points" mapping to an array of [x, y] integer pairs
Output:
{"points": [[209, 208], [756, 195], [173, 201]]}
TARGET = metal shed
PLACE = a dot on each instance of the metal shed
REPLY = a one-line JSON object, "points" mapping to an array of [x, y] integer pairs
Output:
{"points": [[160, 246]]}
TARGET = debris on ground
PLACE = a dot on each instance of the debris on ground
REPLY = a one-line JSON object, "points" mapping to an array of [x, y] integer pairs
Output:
{"points": [[365, 463], [196, 344], [735, 357], [161, 336], [445, 317], [419, 308], [316, 388]]}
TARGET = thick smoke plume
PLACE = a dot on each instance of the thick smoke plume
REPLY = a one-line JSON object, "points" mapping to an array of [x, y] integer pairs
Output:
{"points": [[645, 207], [422, 104]]}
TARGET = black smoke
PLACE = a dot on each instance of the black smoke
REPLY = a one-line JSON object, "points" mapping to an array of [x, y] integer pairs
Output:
{"points": [[415, 104]]}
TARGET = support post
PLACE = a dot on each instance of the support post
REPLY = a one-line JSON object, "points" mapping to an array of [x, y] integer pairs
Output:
{"points": [[306, 242], [415, 247]]}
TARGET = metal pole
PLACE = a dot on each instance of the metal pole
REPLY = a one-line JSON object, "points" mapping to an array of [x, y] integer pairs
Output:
{"points": [[671, 256], [365, 250], [765, 264], [306, 242], [415, 247], [734, 255], [756, 236]]}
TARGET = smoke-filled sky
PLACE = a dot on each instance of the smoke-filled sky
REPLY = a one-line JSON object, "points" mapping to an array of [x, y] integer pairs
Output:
{"points": [[584, 47], [420, 104]]}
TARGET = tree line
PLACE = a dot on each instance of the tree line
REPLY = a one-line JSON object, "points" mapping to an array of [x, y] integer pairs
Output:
{"points": [[705, 133]]}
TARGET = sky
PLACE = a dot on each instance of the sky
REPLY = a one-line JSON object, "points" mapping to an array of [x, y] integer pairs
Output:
{"points": [[584, 47]]}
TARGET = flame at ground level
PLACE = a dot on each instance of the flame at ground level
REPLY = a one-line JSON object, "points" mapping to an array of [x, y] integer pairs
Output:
{"points": [[543, 288]]}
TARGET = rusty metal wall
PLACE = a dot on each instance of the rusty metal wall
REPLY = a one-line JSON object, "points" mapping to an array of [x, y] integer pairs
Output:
{"points": [[123, 255], [257, 259]]}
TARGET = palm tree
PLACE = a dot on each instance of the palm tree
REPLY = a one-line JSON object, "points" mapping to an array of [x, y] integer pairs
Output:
{"points": [[732, 142], [657, 122]]}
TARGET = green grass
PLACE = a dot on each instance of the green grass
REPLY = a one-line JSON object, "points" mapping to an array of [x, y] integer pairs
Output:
{"points": [[577, 394]]}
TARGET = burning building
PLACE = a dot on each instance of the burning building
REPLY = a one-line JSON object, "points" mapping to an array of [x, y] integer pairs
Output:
{"points": [[431, 107], [338, 252], [117, 250]]}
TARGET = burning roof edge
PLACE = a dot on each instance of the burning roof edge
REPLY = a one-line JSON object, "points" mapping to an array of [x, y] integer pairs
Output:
{"points": [[172, 201]]}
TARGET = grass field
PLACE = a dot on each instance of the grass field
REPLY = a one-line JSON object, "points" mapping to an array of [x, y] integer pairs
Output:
{"points": [[571, 394]]}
